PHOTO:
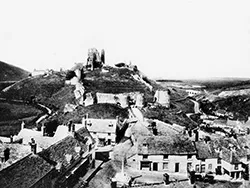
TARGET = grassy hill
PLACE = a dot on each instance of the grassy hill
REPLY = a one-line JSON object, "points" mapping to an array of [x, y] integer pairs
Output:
{"points": [[52, 91], [11, 73], [12, 114], [101, 111], [42, 88]]}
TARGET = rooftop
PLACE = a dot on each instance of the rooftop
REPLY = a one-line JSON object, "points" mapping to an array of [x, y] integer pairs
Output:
{"points": [[57, 152], [25, 172], [157, 145]]}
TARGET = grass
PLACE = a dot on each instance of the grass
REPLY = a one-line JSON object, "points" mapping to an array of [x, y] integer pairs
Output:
{"points": [[100, 111], [171, 116], [11, 73], [12, 116], [40, 87]]}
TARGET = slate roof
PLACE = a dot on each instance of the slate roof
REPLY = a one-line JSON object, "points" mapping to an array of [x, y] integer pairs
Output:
{"points": [[57, 152], [208, 150], [24, 173], [205, 150], [158, 145]]}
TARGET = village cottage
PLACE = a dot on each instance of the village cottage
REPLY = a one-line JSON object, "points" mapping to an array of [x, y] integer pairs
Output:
{"points": [[102, 130], [216, 157], [165, 153], [60, 165], [122, 99], [162, 97]]}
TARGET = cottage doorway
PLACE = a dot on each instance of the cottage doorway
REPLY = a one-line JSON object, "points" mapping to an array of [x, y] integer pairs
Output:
{"points": [[155, 166]]}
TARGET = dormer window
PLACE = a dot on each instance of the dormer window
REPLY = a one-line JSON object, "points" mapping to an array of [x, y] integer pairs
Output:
{"points": [[144, 156], [236, 167], [144, 144]]}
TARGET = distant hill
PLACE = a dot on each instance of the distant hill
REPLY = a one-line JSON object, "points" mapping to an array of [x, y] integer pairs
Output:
{"points": [[11, 73]]}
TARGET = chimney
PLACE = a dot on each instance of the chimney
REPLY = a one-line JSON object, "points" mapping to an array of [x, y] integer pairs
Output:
{"points": [[122, 165], [11, 138], [33, 146], [155, 132], [42, 129], [232, 152], [69, 125], [73, 127], [145, 148], [22, 125], [85, 120], [196, 135]]}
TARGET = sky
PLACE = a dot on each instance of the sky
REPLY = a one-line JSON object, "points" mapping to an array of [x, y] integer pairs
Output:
{"points": [[167, 39]]}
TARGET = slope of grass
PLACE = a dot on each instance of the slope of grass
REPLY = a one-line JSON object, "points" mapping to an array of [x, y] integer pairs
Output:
{"points": [[171, 116], [41, 87], [11, 73], [12, 116], [100, 111]]}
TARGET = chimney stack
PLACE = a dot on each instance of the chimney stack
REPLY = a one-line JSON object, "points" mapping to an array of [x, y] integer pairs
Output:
{"points": [[196, 135], [33, 146], [22, 125]]}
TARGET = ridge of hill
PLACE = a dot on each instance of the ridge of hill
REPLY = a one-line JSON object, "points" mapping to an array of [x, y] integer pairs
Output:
{"points": [[11, 73], [52, 91]]}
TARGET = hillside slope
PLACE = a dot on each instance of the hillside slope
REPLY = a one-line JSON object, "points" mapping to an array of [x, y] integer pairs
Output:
{"points": [[11, 73]]}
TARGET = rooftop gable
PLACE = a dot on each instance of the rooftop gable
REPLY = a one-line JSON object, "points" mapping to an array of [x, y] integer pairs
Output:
{"points": [[158, 145], [57, 153], [25, 172]]}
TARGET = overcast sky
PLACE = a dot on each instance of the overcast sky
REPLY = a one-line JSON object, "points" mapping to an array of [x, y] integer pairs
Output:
{"points": [[171, 39]]}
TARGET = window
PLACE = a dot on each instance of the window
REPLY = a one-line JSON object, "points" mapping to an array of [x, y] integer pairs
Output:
{"points": [[165, 166], [109, 134], [165, 157], [236, 167], [189, 165], [90, 147], [94, 132], [110, 124], [219, 161], [144, 156], [189, 156], [177, 167], [145, 165], [210, 166], [197, 168], [248, 157], [203, 168]]}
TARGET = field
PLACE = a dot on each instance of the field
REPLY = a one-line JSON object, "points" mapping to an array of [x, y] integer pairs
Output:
{"points": [[12, 116]]}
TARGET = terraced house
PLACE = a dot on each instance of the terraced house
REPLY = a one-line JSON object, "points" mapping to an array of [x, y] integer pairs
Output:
{"points": [[60, 165], [165, 153], [221, 157]]}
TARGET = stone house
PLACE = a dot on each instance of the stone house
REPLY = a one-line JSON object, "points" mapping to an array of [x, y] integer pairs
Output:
{"points": [[60, 165], [162, 97], [120, 98], [102, 130], [165, 153], [192, 92], [214, 156]]}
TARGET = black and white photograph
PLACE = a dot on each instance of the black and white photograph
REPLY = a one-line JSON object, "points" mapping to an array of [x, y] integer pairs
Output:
{"points": [[125, 94]]}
